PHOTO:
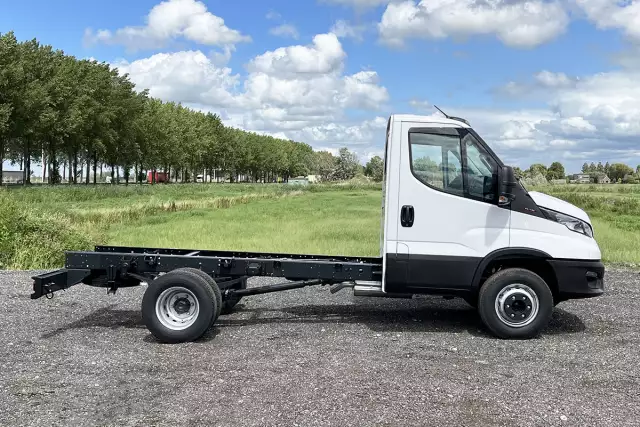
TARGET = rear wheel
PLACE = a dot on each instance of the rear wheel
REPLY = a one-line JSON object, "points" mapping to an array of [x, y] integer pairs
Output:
{"points": [[179, 306], [211, 282], [515, 303]]}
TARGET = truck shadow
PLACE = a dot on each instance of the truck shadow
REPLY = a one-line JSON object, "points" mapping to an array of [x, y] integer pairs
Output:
{"points": [[377, 317], [380, 318], [106, 317]]}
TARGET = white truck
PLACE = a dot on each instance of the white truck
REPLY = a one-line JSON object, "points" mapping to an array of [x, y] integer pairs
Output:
{"points": [[455, 222]]}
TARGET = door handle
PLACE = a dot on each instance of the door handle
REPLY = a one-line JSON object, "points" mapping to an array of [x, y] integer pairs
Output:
{"points": [[406, 216]]}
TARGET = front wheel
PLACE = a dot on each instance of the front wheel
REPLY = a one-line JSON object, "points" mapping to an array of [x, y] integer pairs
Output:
{"points": [[515, 303]]}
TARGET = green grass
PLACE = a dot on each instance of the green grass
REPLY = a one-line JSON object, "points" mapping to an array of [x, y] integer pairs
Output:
{"points": [[618, 246], [591, 188], [38, 224], [80, 197], [335, 223], [32, 240]]}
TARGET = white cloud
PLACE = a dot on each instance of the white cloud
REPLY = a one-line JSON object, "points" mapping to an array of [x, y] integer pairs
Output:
{"points": [[285, 30], [302, 91], [513, 89], [341, 134], [562, 143], [628, 58], [554, 80], [593, 118], [361, 90], [187, 76], [324, 56], [273, 15], [543, 82], [303, 99], [521, 24], [344, 29], [298, 92], [607, 14], [169, 20], [601, 112]]}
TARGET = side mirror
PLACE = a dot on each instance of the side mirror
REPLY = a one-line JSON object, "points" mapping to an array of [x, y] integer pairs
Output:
{"points": [[507, 183]]}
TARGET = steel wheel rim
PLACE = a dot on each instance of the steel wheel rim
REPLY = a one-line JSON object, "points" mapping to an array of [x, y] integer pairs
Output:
{"points": [[177, 308], [517, 305]]}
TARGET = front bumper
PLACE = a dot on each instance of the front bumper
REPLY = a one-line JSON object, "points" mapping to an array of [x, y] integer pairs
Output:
{"points": [[578, 278]]}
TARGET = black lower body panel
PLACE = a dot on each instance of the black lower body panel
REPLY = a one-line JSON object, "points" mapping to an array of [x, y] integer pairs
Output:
{"points": [[578, 278], [426, 274]]}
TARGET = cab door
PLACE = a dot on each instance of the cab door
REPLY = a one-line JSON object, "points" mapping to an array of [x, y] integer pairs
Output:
{"points": [[448, 217]]}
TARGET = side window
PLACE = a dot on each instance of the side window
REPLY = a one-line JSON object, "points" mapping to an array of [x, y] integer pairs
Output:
{"points": [[481, 171], [436, 161]]}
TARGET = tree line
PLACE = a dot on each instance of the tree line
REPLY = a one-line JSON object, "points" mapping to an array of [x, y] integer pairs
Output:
{"points": [[75, 116], [616, 172]]}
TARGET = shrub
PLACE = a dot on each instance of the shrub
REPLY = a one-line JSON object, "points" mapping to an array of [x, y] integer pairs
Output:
{"points": [[31, 240]]}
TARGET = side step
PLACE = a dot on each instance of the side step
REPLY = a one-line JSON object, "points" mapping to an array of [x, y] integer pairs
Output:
{"points": [[374, 289]]}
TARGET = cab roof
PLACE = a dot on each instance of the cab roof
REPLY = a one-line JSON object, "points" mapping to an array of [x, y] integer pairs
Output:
{"points": [[431, 119]]}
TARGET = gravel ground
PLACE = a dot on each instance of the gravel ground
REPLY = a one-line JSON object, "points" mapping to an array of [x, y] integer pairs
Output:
{"points": [[306, 357]]}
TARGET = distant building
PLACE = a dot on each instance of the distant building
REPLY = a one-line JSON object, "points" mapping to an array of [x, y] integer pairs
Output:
{"points": [[12, 177], [604, 180], [580, 178]]}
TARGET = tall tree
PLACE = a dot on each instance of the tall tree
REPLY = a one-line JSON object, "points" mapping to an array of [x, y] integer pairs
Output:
{"points": [[324, 165], [585, 168], [375, 168], [9, 74], [537, 168], [78, 115], [555, 171], [618, 171], [346, 165], [518, 172]]}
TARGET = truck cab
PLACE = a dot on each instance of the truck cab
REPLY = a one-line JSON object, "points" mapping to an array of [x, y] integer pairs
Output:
{"points": [[454, 216]]}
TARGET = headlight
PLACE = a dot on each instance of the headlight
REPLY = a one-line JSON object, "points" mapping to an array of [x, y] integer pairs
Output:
{"points": [[572, 223]]}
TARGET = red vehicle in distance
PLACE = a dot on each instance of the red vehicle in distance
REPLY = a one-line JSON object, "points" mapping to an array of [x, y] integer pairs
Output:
{"points": [[160, 177]]}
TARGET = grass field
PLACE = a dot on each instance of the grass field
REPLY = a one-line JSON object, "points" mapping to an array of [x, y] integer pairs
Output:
{"points": [[38, 224], [337, 222]]}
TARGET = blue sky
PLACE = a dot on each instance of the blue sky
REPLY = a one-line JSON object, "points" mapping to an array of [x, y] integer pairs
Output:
{"points": [[540, 80]]}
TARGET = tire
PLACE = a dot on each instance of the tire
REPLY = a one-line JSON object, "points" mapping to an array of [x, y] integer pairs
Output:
{"points": [[165, 301], [212, 283], [522, 287], [230, 303]]}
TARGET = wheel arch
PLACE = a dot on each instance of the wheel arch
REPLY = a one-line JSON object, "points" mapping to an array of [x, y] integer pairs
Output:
{"points": [[530, 259]]}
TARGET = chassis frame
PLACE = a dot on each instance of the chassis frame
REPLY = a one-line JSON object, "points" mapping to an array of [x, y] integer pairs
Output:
{"points": [[114, 267]]}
